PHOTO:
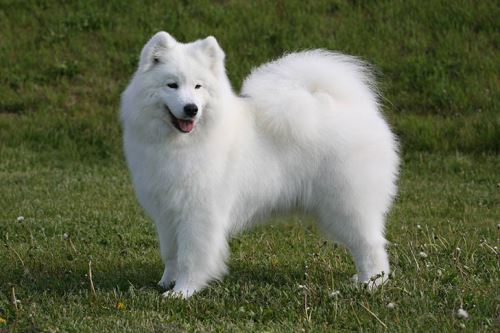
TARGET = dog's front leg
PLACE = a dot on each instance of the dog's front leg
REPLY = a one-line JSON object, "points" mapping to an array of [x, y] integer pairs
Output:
{"points": [[168, 250], [202, 250]]}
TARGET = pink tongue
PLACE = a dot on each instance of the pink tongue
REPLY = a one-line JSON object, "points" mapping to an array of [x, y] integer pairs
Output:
{"points": [[186, 125]]}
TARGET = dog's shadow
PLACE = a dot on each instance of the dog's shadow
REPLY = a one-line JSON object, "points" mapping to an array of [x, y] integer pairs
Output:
{"points": [[262, 274], [140, 274], [62, 278]]}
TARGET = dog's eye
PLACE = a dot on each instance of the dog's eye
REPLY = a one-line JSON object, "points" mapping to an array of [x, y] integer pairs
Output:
{"points": [[173, 85], [198, 86]]}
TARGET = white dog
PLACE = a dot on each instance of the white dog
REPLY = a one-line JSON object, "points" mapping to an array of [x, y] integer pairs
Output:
{"points": [[306, 132]]}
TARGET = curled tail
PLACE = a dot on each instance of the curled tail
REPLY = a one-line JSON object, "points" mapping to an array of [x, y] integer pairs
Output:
{"points": [[315, 81]]}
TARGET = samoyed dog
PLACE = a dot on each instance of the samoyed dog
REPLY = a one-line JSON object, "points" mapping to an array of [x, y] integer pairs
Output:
{"points": [[305, 133]]}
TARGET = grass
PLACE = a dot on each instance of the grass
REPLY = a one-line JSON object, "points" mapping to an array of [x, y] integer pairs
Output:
{"points": [[63, 67], [445, 204]]}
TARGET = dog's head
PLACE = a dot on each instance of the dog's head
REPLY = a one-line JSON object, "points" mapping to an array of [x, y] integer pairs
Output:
{"points": [[175, 85]]}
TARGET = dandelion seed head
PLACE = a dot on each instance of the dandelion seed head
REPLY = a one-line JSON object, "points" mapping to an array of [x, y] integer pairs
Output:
{"points": [[462, 314]]}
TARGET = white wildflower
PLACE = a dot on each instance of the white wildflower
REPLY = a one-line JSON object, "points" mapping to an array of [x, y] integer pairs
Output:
{"points": [[334, 294], [419, 227], [20, 219], [391, 305], [462, 314], [422, 254], [65, 236]]}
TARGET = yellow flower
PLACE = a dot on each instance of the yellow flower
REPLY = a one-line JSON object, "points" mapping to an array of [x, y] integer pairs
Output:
{"points": [[2, 321], [120, 306]]}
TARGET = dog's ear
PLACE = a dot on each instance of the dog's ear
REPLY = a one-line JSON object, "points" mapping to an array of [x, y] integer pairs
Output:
{"points": [[212, 48], [214, 52], [150, 53]]}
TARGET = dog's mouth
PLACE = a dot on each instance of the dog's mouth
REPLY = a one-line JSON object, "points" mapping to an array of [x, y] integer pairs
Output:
{"points": [[183, 125]]}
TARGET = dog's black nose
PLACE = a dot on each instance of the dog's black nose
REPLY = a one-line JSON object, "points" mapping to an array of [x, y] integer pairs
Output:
{"points": [[190, 110]]}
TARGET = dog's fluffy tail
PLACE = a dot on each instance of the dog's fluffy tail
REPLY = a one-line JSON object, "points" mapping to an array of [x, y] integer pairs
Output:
{"points": [[310, 81]]}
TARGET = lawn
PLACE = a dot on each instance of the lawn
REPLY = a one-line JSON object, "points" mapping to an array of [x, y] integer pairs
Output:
{"points": [[84, 257]]}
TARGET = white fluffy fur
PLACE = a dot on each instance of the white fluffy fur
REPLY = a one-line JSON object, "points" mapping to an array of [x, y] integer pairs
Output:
{"points": [[305, 133]]}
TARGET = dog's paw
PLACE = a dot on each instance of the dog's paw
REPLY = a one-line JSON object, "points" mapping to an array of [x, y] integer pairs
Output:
{"points": [[371, 283], [174, 294], [182, 290], [182, 293]]}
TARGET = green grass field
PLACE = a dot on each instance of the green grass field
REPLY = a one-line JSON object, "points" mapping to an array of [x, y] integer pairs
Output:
{"points": [[85, 258]]}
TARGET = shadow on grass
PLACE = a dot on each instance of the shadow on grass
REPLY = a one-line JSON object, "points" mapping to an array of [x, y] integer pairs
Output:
{"points": [[265, 274], [63, 278]]}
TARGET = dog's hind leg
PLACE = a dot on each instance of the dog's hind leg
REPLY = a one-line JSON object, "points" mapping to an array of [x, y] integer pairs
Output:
{"points": [[363, 236]]}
